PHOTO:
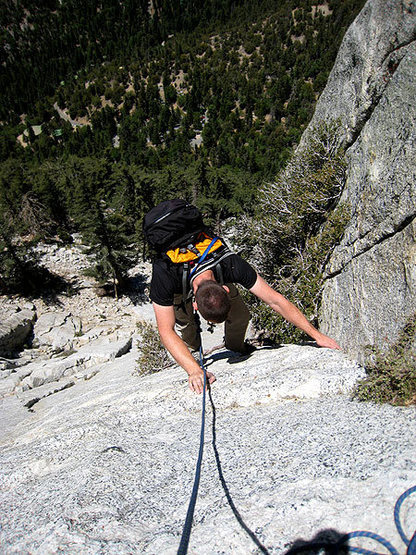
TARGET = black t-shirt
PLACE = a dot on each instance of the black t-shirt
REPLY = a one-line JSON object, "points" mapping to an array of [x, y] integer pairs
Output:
{"points": [[167, 277]]}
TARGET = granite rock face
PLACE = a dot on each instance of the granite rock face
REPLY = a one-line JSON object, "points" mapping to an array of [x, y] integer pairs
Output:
{"points": [[370, 287], [371, 52], [107, 466], [97, 460]]}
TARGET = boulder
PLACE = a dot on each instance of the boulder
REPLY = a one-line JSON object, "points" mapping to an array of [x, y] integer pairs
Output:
{"points": [[56, 330], [8, 384], [32, 396], [95, 353], [16, 329], [66, 261]]}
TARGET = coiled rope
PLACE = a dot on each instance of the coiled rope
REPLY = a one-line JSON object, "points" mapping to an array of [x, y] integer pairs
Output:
{"points": [[334, 548], [410, 543]]}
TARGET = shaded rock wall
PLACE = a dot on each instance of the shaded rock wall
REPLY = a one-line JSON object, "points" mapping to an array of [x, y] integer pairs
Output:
{"points": [[370, 287], [16, 326]]}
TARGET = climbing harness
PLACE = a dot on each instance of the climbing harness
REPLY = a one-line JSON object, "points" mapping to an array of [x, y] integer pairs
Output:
{"points": [[186, 533]]}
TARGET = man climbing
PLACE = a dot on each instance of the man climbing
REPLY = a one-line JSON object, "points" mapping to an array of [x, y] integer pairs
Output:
{"points": [[206, 284]]}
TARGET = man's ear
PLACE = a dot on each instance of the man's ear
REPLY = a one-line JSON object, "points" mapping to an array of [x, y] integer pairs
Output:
{"points": [[194, 305], [226, 288]]}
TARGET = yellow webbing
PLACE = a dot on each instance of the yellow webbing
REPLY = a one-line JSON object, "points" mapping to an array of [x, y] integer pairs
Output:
{"points": [[177, 257]]}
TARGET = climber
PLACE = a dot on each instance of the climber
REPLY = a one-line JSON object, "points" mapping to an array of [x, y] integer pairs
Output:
{"points": [[199, 274]]}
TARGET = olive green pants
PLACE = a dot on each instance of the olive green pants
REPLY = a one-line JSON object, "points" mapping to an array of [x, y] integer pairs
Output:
{"points": [[235, 324]]}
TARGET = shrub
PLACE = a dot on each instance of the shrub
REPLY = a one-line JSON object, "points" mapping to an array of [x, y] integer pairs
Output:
{"points": [[153, 356], [391, 377], [299, 222]]}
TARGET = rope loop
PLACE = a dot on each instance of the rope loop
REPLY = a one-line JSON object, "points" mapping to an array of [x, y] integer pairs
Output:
{"points": [[410, 543]]}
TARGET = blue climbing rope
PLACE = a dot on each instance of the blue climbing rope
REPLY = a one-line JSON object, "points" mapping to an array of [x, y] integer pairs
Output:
{"points": [[410, 543], [186, 533], [203, 256], [337, 547], [371, 535]]}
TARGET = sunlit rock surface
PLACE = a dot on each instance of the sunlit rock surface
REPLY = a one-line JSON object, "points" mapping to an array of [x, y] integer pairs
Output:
{"points": [[107, 466]]}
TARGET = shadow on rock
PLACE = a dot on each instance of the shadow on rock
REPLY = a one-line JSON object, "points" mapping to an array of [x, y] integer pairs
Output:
{"points": [[328, 542], [53, 285], [230, 355], [43, 284], [24, 274], [133, 287]]}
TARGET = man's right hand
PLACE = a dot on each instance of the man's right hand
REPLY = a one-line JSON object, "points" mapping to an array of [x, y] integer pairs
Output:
{"points": [[196, 381]]}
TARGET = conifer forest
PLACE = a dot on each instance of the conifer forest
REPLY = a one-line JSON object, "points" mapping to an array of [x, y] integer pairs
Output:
{"points": [[108, 107]]}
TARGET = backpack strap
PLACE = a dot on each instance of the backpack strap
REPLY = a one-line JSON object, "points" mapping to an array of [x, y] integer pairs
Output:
{"points": [[219, 274], [185, 275], [189, 269], [203, 256]]}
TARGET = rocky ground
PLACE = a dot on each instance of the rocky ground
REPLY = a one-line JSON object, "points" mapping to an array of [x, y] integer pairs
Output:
{"points": [[48, 343], [106, 463]]}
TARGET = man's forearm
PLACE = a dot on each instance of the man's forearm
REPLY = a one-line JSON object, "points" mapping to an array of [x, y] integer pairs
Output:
{"points": [[293, 315], [165, 319], [290, 312], [282, 306], [180, 352]]}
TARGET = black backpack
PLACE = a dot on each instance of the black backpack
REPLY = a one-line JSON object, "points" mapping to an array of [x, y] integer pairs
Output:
{"points": [[171, 223]]}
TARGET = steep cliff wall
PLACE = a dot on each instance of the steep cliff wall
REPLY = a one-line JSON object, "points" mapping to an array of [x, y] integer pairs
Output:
{"points": [[370, 287]]}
